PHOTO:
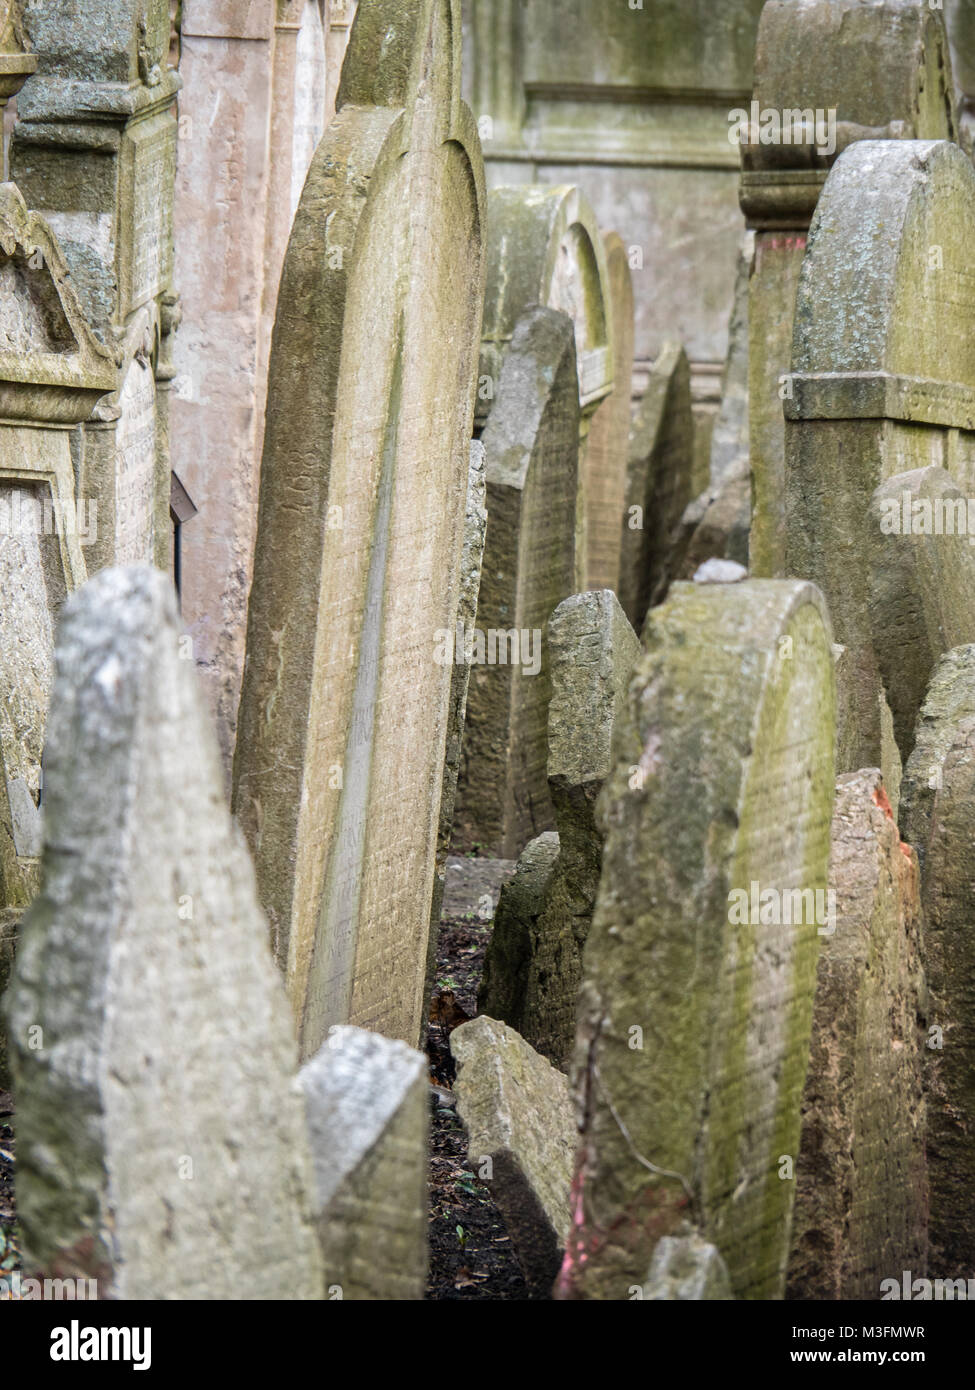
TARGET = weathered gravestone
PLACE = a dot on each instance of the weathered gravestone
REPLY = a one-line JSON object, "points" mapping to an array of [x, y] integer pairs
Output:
{"points": [[160, 1140], [52, 372], [827, 73], [533, 964], [459, 651], [521, 1139], [658, 484], [938, 819], [531, 454], [922, 585], [94, 151], [861, 1181], [344, 709], [366, 1100], [607, 451], [259, 84], [544, 248], [699, 969], [883, 383]]}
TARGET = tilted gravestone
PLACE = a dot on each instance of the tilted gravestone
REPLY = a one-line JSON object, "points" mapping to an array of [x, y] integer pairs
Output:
{"points": [[827, 73], [366, 1101], [883, 384], [544, 248], [94, 151], [922, 585], [161, 1146], [533, 964], [607, 449], [937, 801], [262, 78], [52, 373], [521, 1139], [699, 970], [531, 458], [658, 485], [861, 1180], [344, 708]]}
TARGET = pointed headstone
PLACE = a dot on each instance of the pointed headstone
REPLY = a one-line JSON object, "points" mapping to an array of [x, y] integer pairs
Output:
{"points": [[531, 454], [697, 998], [366, 1100], [345, 705], [150, 1034]]}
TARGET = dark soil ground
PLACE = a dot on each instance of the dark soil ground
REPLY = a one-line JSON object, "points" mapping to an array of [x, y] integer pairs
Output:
{"points": [[471, 1256], [9, 1249]]}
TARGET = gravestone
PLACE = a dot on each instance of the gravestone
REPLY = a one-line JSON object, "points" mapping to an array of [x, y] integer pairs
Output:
{"points": [[699, 970], [345, 706], [883, 383], [922, 585], [533, 964], [460, 648], [94, 151], [866, 71], [937, 800], [545, 248], [658, 485], [251, 102], [149, 1031], [531, 458], [52, 372], [521, 1138], [861, 1181], [607, 451], [366, 1105]]}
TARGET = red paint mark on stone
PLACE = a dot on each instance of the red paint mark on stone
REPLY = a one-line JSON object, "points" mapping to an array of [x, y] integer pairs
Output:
{"points": [[880, 799]]}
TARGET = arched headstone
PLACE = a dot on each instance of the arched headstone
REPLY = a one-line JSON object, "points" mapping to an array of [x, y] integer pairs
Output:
{"points": [[827, 73], [344, 707], [883, 383]]}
